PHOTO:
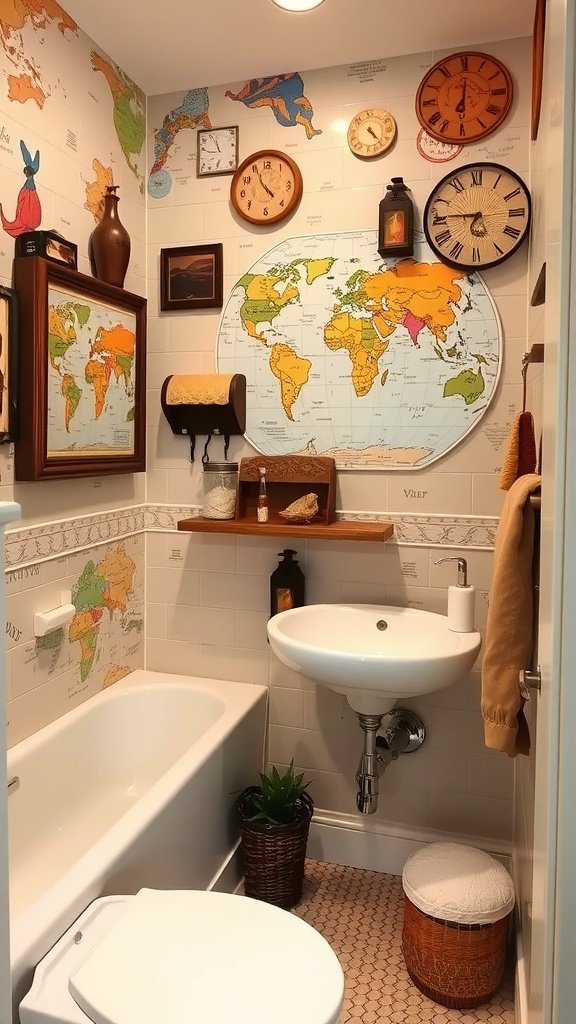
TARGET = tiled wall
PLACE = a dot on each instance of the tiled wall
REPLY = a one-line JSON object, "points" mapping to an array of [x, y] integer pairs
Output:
{"points": [[104, 641], [208, 602], [53, 98], [341, 193], [214, 591], [208, 597]]}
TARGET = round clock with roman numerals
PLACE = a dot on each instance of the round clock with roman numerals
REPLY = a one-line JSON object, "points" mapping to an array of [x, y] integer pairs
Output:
{"points": [[477, 216], [464, 97]]}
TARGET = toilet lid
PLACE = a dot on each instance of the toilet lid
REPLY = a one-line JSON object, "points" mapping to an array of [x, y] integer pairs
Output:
{"points": [[208, 958]]}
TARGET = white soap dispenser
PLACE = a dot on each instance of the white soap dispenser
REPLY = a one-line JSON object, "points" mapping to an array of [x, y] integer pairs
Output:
{"points": [[461, 599]]}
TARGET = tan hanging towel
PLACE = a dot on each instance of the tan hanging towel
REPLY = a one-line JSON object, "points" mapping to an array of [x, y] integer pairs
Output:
{"points": [[509, 631], [199, 389]]}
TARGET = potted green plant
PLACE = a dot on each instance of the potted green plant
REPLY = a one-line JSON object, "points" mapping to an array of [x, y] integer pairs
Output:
{"points": [[274, 824]]}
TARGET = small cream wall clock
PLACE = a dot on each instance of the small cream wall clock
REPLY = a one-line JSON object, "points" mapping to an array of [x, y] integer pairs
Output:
{"points": [[217, 150], [371, 132]]}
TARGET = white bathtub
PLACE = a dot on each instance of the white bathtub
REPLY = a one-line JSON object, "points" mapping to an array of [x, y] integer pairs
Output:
{"points": [[135, 787]]}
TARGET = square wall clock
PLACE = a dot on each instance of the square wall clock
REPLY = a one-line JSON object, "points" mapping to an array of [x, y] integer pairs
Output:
{"points": [[217, 151]]}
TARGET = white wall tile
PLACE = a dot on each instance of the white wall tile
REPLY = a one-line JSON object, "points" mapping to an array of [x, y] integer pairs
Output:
{"points": [[181, 657], [173, 587], [234, 663], [492, 775], [234, 590], [199, 625], [286, 707]]}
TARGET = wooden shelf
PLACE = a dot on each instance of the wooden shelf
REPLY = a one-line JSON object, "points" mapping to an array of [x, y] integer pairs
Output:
{"points": [[276, 527]]}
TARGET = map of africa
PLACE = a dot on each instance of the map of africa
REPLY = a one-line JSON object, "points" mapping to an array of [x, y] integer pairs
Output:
{"points": [[379, 364], [90, 377]]}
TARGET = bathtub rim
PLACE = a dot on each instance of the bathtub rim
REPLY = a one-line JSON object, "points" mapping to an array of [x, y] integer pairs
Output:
{"points": [[71, 890]]}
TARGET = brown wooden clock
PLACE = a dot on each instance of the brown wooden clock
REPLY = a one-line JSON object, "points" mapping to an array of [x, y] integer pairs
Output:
{"points": [[267, 187], [464, 97]]}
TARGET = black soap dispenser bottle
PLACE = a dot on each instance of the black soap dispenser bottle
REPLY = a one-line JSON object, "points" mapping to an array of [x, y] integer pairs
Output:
{"points": [[287, 584]]}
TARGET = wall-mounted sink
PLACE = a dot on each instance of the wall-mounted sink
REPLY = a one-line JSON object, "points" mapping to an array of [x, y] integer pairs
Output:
{"points": [[374, 654]]}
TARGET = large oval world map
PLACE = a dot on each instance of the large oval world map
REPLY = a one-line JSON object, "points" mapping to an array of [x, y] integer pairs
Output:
{"points": [[382, 364]]}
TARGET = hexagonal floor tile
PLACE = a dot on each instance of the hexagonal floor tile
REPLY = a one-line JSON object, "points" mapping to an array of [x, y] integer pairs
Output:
{"points": [[360, 913]]}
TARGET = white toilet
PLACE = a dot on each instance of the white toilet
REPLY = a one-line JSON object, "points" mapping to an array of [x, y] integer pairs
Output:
{"points": [[186, 957]]}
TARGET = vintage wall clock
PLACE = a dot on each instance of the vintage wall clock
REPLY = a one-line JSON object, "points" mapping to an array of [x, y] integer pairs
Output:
{"points": [[477, 216], [371, 132], [267, 187], [464, 97], [217, 151]]}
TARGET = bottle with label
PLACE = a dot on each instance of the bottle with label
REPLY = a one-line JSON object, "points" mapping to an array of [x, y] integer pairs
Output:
{"points": [[262, 505], [287, 584]]}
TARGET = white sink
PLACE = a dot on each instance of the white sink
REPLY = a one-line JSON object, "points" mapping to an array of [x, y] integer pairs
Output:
{"points": [[374, 654]]}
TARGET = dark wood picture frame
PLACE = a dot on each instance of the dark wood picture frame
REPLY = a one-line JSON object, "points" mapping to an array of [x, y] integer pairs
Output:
{"points": [[191, 277], [538, 32], [9, 328], [33, 278]]}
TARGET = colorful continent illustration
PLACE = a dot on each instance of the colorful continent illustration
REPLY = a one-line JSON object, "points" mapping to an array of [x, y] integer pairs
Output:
{"points": [[106, 585], [264, 301], [128, 113], [368, 310], [15, 16], [96, 190], [111, 353], [285, 95], [411, 294], [192, 113]]}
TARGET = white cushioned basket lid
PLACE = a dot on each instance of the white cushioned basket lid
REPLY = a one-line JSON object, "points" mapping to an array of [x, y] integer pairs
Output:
{"points": [[458, 883], [208, 958]]}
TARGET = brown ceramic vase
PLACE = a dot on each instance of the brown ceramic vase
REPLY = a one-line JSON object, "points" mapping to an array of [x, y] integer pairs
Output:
{"points": [[110, 243]]}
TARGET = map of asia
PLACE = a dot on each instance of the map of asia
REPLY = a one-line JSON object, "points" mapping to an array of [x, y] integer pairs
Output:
{"points": [[380, 364]]}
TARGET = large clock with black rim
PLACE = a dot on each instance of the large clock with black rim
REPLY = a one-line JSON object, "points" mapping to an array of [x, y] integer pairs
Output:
{"points": [[477, 216]]}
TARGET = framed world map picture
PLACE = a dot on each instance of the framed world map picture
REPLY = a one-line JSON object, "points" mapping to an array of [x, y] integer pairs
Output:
{"points": [[8, 364], [82, 379]]}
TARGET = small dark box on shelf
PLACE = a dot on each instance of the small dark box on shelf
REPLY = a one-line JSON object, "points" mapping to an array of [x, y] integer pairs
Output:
{"points": [[50, 245]]}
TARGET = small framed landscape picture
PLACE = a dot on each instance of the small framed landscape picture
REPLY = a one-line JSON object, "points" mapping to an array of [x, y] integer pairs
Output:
{"points": [[8, 363], [191, 277]]}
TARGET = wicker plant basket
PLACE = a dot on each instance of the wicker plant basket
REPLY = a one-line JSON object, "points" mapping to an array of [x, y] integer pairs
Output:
{"points": [[457, 965], [273, 855]]}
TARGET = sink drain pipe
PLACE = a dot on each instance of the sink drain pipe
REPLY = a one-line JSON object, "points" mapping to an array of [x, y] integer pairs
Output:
{"points": [[403, 733]]}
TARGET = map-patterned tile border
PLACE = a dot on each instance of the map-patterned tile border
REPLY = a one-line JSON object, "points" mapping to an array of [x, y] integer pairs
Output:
{"points": [[65, 536]]}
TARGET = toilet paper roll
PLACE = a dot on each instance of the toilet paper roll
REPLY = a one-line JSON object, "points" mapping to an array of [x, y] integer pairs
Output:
{"points": [[461, 602], [199, 389]]}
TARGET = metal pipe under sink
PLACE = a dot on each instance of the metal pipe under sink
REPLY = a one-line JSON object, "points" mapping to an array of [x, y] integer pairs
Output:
{"points": [[404, 732]]}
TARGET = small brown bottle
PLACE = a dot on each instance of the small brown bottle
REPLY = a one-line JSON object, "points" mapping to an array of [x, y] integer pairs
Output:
{"points": [[262, 505]]}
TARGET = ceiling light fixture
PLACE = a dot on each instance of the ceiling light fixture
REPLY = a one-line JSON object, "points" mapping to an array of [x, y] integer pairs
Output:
{"points": [[297, 5]]}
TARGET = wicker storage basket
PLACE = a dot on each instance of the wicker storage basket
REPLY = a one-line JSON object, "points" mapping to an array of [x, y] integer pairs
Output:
{"points": [[273, 855], [457, 910], [457, 965]]}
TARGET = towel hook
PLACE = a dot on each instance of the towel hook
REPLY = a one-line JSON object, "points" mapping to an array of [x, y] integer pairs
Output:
{"points": [[525, 361]]}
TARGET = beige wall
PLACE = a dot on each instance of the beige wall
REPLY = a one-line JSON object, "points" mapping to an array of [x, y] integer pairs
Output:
{"points": [[208, 597], [69, 117]]}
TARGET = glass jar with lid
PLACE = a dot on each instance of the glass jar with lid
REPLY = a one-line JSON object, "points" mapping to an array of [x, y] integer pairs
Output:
{"points": [[220, 480]]}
